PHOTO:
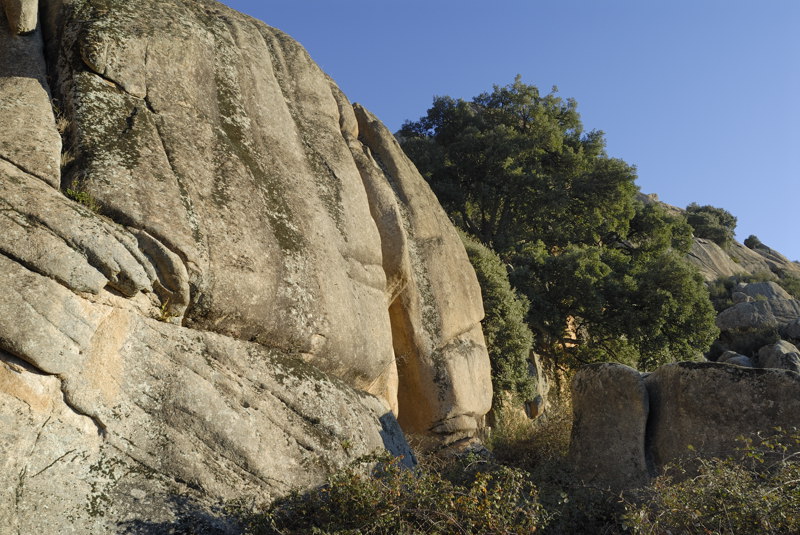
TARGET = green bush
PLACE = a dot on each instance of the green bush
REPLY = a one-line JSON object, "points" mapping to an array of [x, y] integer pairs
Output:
{"points": [[508, 337], [791, 284], [759, 493], [395, 500], [752, 242], [712, 223]]}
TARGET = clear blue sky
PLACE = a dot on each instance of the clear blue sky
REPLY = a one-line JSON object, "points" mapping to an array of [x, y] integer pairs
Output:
{"points": [[703, 96]]}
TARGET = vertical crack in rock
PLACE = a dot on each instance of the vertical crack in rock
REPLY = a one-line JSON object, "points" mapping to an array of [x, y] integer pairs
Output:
{"points": [[186, 200]]}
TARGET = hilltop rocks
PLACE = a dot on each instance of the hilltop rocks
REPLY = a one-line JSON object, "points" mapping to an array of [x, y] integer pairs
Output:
{"points": [[705, 406], [714, 262], [245, 262]]}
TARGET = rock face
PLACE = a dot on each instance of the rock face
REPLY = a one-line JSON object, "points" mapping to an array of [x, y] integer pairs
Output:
{"points": [[653, 419], [242, 262]]}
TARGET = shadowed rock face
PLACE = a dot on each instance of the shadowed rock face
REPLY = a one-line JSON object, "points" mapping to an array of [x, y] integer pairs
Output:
{"points": [[262, 252]]}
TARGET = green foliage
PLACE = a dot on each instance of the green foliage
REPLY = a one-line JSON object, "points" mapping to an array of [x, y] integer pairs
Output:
{"points": [[514, 162], [637, 302], [79, 193], [540, 447], [483, 498], [752, 242], [712, 223], [759, 494], [508, 337], [515, 169], [791, 284]]}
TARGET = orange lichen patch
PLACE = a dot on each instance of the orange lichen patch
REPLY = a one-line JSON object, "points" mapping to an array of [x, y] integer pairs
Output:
{"points": [[103, 366], [37, 391]]}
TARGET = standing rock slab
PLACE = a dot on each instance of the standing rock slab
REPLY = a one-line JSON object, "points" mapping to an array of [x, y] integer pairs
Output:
{"points": [[611, 408], [708, 405], [300, 223]]}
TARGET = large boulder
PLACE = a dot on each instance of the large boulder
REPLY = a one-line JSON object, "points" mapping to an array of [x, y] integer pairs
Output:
{"points": [[713, 261], [764, 290], [759, 314], [248, 281], [22, 15], [781, 355]]}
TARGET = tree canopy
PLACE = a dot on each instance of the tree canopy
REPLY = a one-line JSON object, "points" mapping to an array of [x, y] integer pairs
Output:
{"points": [[604, 272], [513, 162], [710, 222]]}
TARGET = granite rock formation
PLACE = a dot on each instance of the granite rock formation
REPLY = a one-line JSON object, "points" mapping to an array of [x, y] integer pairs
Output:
{"points": [[221, 278]]}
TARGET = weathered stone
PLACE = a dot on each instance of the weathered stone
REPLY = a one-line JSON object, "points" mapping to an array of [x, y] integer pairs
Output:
{"points": [[782, 355], [767, 289], [260, 185], [714, 262], [611, 409], [776, 262], [628, 428], [740, 360], [757, 314], [741, 297], [445, 383], [708, 405], [22, 15], [732, 357], [792, 330], [138, 399], [292, 252]]}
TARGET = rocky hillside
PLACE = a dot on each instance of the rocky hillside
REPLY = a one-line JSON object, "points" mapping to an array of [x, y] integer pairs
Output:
{"points": [[221, 278], [714, 262]]}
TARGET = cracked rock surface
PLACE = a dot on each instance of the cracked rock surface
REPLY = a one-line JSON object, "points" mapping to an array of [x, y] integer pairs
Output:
{"points": [[220, 278]]}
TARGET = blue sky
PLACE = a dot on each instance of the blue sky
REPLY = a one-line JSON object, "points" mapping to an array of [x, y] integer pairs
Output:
{"points": [[703, 96]]}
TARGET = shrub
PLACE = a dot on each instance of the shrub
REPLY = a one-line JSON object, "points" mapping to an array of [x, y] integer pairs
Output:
{"points": [[759, 493], [79, 193], [712, 223], [508, 337], [752, 242], [399, 501], [791, 284]]}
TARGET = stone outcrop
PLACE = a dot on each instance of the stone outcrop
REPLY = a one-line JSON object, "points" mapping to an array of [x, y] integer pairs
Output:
{"points": [[713, 262], [228, 281], [767, 313], [705, 406]]}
